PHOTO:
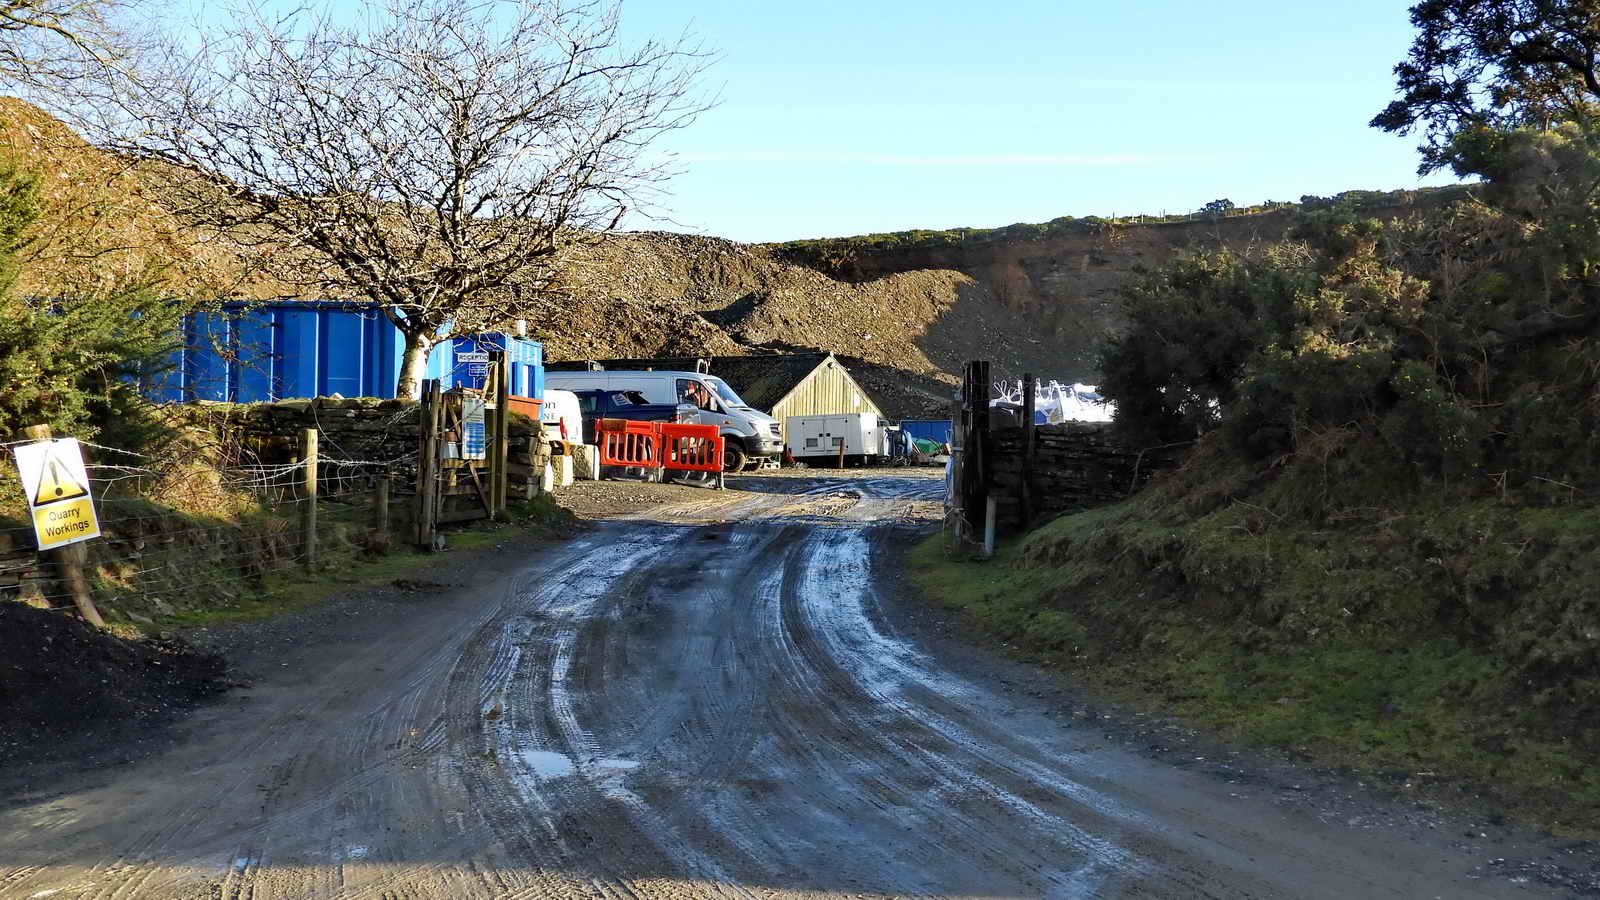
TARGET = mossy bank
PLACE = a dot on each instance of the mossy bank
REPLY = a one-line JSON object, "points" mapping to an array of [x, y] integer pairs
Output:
{"points": [[1453, 643]]}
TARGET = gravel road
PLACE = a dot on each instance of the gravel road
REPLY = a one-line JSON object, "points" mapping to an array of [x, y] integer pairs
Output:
{"points": [[715, 699]]}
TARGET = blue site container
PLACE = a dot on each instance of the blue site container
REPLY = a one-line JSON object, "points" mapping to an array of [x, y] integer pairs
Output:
{"points": [[247, 353], [927, 429], [527, 362]]}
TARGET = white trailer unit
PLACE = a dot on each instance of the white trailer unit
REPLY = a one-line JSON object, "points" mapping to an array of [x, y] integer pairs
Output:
{"points": [[820, 437]]}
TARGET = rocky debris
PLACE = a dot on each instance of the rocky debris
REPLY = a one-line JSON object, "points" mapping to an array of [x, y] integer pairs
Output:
{"points": [[595, 500], [1572, 869], [657, 294]]}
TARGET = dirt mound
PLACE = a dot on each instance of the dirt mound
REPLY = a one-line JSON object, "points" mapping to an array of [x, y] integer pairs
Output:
{"points": [[908, 333], [102, 222], [60, 679]]}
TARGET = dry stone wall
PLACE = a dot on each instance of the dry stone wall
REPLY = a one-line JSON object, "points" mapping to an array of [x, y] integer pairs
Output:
{"points": [[360, 428], [357, 429]]}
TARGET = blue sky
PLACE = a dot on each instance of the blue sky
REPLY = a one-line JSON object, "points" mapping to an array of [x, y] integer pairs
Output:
{"points": [[841, 118]]}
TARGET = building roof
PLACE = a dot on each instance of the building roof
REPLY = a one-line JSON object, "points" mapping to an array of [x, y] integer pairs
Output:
{"points": [[763, 381]]}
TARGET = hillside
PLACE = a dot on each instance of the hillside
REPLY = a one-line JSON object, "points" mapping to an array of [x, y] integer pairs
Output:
{"points": [[102, 222], [908, 309], [672, 295]]}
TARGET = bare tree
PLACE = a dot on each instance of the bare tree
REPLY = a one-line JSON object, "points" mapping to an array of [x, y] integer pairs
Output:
{"points": [[436, 158], [54, 48]]}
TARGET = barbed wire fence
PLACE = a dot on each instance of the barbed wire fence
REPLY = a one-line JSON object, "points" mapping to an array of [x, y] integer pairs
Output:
{"points": [[181, 530]]}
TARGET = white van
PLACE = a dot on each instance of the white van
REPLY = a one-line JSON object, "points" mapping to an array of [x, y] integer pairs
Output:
{"points": [[747, 432], [562, 418]]}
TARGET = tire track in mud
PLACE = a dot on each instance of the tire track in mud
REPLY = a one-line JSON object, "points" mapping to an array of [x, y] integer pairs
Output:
{"points": [[545, 773], [842, 643], [741, 680], [884, 748], [401, 733], [588, 753], [316, 834]]}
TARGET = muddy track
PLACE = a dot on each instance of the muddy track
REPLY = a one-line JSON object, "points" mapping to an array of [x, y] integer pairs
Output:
{"points": [[710, 702]]}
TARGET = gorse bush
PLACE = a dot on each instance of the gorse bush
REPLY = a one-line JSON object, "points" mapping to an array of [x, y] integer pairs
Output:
{"points": [[64, 358], [1456, 346]]}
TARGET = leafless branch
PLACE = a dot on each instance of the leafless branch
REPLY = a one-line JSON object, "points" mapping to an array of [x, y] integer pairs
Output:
{"points": [[64, 52]]}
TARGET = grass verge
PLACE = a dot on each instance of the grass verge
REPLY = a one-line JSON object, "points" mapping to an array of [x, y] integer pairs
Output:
{"points": [[348, 563], [1421, 707]]}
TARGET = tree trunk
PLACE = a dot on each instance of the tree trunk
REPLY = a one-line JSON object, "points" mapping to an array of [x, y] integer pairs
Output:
{"points": [[413, 365]]}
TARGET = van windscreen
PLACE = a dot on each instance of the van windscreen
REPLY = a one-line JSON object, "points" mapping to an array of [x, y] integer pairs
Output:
{"points": [[726, 393]]}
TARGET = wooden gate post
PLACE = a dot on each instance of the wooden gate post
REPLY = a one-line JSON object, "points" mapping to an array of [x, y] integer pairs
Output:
{"points": [[71, 559], [1029, 390], [308, 512], [500, 485], [428, 462], [975, 475]]}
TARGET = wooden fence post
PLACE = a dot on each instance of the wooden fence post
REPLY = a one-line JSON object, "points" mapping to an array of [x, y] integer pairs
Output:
{"points": [[418, 517], [71, 559], [380, 506], [308, 512]]}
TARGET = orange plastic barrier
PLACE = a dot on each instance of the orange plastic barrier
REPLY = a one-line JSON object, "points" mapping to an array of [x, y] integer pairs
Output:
{"points": [[690, 448], [624, 442]]}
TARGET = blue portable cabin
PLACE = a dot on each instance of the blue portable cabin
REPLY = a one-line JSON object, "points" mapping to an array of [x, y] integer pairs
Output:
{"points": [[526, 357], [248, 353], [937, 430]]}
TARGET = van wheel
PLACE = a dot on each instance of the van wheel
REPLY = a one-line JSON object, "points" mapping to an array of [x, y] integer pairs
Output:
{"points": [[733, 457]]}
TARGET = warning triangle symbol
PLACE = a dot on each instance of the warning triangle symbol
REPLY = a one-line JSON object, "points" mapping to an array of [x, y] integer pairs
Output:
{"points": [[57, 483]]}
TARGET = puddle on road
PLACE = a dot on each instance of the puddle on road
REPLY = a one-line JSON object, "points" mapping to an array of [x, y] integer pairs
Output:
{"points": [[547, 764]]}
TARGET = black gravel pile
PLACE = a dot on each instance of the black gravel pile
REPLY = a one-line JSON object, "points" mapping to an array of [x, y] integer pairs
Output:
{"points": [[61, 679]]}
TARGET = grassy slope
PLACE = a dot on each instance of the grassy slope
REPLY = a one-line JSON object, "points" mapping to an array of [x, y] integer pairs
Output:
{"points": [[345, 563], [1449, 641], [823, 250], [289, 589]]}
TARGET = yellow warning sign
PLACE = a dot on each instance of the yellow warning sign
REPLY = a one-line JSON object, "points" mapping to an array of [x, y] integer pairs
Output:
{"points": [[57, 485], [65, 522]]}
